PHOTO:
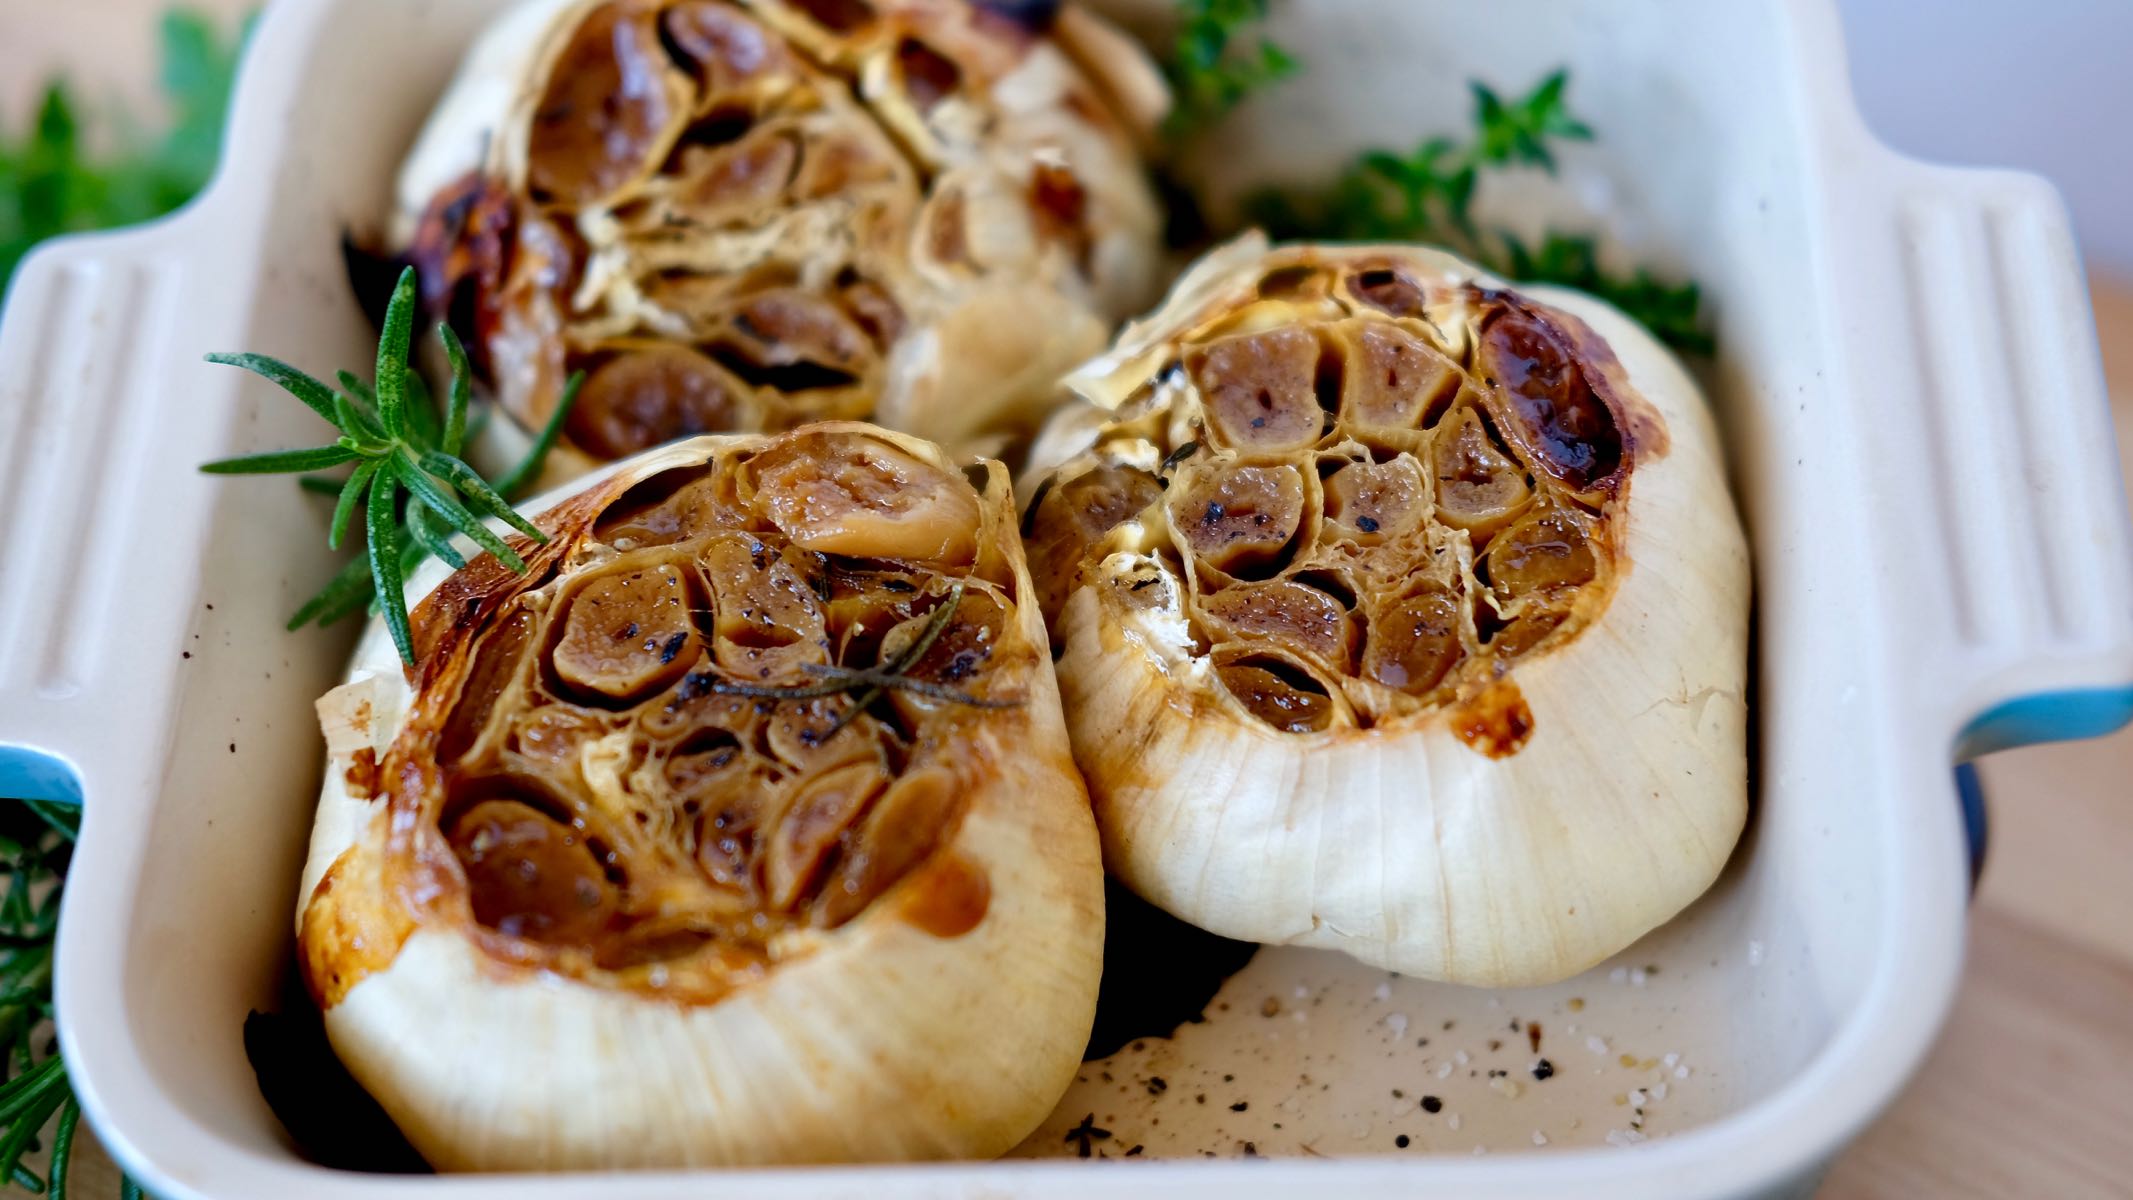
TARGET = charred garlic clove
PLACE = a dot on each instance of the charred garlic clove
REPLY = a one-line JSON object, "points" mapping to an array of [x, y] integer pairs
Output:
{"points": [[744, 215], [1398, 613], [742, 829]]}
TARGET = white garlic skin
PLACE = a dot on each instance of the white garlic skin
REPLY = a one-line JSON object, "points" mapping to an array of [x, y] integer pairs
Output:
{"points": [[880, 1041], [1400, 845]]}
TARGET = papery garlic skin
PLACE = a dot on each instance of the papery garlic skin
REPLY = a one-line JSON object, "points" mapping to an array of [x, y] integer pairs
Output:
{"points": [[942, 1019], [914, 211], [1537, 810]]}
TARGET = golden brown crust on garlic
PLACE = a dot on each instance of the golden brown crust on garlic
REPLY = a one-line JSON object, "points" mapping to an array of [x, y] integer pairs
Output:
{"points": [[742, 215], [1399, 613], [1377, 493], [603, 798]]}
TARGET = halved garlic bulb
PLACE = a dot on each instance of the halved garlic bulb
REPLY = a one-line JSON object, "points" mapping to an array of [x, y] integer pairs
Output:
{"points": [[599, 889], [744, 215], [1398, 613]]}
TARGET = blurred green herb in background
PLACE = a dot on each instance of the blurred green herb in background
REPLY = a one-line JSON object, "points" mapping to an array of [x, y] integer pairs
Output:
{"points": [[61, 175], [1425, 195]]}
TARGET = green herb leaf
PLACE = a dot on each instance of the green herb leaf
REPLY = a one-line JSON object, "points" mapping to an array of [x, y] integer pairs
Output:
{"points": [[455, 416], [344, 508], [1209, 73], [522, 476], [396, 450], [383, 550], [315, 395], [1428, 196], [275, 462]]}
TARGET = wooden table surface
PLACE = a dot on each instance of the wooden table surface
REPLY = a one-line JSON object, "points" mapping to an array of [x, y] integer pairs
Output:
{"points": [[2030, 1091]]}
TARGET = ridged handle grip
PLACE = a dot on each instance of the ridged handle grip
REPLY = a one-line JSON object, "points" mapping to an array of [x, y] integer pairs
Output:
{"points": [[95, 491], [1989, 403]]}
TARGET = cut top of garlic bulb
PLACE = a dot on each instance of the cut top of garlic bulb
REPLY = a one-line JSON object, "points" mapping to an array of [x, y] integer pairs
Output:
{"points": [[764, 748], [743, 215], [1350, 541]]}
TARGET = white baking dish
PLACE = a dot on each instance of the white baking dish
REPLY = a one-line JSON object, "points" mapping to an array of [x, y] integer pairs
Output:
{"points": [[1915, 412]]}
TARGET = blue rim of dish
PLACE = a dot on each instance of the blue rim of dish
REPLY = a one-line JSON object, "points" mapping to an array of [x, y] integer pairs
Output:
{"points": [[31, 774], [2064, 716]]}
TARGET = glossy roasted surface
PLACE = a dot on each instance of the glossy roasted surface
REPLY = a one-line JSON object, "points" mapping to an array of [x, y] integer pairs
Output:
{"points": [[1380, 495]]}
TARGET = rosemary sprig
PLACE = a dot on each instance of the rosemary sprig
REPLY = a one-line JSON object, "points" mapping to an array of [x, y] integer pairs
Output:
{"points": [[408, 476], [866, 686], [36, 845], [1209, 72], [1427, 195]]}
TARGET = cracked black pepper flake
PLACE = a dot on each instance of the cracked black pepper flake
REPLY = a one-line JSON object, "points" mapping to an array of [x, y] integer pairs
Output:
{"points": [[1543, 1069], [1136, 1151], [1085, 1135], [1430, 1104], [1240, 1106], [1270, 1007], [1157, 1085], [1400, 1141], [1367, 524]]}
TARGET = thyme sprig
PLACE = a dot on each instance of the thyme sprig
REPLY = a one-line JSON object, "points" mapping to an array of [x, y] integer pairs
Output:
{"points": [[414, 489], [1427, 195], [868, 685], [1210, 67]]}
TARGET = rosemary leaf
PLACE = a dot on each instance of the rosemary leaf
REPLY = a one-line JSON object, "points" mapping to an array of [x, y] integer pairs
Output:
{"points": [[426, 536], [421, 410], [321, 485], [63, 1146], [344, 507], [383, 549], [275, 462], [478, 493], [315, 395], [393, 343], [455, 417], [411, 476], [346, 592], [529, 468]]}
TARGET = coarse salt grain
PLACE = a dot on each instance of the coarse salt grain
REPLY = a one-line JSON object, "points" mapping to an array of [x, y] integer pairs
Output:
{"points": [[1658, 1091], [1480, 1150], [1672, 1060], [1755, 953], [1397, 1022], [1539, 1138], [1682, 1071], [1445, 1071], [1384, 991], [1510, 1089], [1637, 1097], [1618, 975], [1302, 992], [1596, 1044], [1453, 1122], [1638, 977], [1461, 1058], [1623, 1137]]}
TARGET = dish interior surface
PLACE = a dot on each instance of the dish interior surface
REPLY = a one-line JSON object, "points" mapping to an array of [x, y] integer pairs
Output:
{"points": [[1706, 167]]}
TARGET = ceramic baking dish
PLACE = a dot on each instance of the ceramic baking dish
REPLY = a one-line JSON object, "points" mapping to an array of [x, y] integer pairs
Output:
{"points": [[1915, 413]]}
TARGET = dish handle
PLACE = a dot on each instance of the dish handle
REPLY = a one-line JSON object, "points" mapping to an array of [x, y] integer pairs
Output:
{"points": [[100, 427], [1991, 406]]}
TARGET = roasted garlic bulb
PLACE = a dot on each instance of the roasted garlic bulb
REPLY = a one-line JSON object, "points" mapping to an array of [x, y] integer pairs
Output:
{"points": [[1398, 613], [742, 829], [745, 215]]}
